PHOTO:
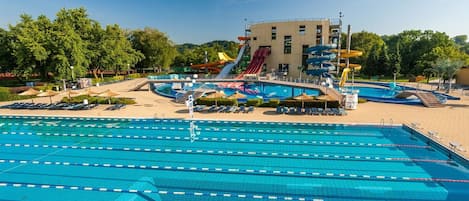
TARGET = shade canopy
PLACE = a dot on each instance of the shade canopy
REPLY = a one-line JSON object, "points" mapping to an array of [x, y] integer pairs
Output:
{"points": [[108, 93], [303, 97], [29, 92], [217, 94], [237, 95], [89, 92], [47, 93]]}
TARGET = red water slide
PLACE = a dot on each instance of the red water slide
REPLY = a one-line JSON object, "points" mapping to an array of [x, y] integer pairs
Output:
{"points": [[255, 67]]}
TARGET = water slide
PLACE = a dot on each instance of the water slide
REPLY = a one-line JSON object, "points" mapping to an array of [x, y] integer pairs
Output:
{"points": [[224, 57], [348, 54], [321, 59], [212, 67], [226, 70], [255, 66]]}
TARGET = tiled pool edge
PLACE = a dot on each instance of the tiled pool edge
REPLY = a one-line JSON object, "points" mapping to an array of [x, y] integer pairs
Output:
{"points": [[439, 146]]}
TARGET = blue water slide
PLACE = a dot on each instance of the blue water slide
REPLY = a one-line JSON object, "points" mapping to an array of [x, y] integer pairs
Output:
{"points": [[226, 70], [318, 60], [317, 72], [320, 48]]}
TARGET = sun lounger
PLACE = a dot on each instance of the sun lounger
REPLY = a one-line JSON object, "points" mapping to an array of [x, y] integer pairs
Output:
{"points": [[250, 109], [279, 110], [242, 109], [221, 109], [212, 108]]}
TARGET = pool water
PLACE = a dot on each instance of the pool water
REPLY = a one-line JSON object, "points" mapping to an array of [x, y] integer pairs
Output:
{"points": [[377, 94], [68, 158]]}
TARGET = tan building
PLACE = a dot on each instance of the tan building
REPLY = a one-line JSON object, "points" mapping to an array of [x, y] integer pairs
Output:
{"points": [[288, 41], [462, 77]]}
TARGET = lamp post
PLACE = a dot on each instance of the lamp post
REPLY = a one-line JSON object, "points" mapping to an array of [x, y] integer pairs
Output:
{"points": [[128, 69], [71, 68]]}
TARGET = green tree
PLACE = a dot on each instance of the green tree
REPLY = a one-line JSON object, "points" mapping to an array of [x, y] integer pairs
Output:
{"points": [[29, 44], [413, 47], [446, 68], [157, 48], [116, 51], [7, 61], [368, 43]]}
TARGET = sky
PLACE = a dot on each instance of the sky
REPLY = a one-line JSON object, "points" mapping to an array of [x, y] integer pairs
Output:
{"points": [[200, 21]]}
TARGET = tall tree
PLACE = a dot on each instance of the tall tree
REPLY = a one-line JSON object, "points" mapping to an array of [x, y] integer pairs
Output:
{"points": [[117, 53], [367, 43], [7, 60], [29, 46], [158, 49]]}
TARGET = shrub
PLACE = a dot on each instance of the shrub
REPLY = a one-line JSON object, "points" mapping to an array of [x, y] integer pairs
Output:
{"points": [[274, 102], [219, 101], [254, 102], [7, 95], [118, 78], [362, 100], [134, 75], [99, 100]]}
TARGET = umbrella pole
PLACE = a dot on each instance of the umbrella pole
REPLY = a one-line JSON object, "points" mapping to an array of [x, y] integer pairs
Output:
{"points": [[50, 98]]}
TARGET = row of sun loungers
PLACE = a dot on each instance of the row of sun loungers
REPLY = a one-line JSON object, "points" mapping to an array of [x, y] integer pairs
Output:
{"points": [[310, 111], [115, 107], [52, 106], [223, 109]]}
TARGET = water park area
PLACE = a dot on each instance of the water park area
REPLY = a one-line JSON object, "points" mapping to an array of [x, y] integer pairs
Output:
{"points": [[284, 119]]}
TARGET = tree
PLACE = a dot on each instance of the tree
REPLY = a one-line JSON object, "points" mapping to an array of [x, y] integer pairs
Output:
{"points": [[446, 68], [116, 51], [7, 61], [158, 50], [413, 47], [29, 42], [461, 42], [367, 43]]}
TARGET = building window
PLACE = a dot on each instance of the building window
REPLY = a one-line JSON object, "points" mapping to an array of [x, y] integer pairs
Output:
{"points": [[319, 29], [302, 29], [274, 33], [283, 69], [254, 38], [305, 47], [287, 44]]}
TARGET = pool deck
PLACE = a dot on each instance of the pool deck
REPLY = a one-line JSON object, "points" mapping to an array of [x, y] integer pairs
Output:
{"points": [[448, 125]]}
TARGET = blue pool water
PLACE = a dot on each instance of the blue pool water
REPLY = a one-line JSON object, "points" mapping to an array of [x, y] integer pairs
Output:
{"points": [[64, 158]]}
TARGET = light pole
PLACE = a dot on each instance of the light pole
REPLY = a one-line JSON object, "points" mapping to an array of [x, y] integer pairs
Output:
{"points": [[128, 69], [71, 67]]}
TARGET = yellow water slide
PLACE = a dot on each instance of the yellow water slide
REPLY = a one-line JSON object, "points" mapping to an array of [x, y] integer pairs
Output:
{"points": [[224, 57], [344, 54]]}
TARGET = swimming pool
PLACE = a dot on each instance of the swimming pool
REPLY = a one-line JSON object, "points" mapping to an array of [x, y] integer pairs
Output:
{"points": [[70, 158]]}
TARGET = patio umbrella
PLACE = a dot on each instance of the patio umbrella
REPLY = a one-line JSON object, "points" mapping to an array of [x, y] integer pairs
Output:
{"points": [[108, 94], [47, 93], [29, 92], [303, 97], [325, 98], [237, 95], [88, 92], [216, 95], [70, 93]]}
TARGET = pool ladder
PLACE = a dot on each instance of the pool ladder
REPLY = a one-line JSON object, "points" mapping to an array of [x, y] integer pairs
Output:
{"points": [[383, 123]]}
